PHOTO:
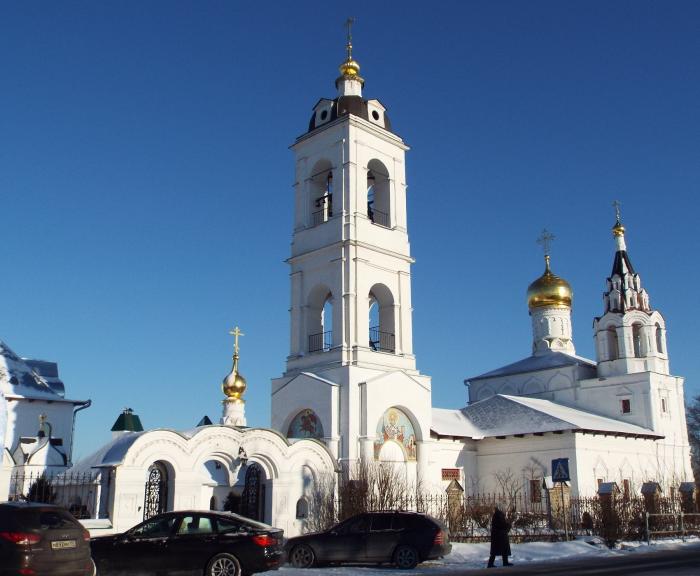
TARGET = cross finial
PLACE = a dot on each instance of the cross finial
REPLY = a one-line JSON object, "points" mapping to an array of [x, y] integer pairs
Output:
{"points": [[348, 25], [617, 205], [236, 332], [545, 240]]}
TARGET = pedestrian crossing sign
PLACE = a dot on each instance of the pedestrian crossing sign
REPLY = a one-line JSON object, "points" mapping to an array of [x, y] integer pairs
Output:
{"points": [[560, 470]]}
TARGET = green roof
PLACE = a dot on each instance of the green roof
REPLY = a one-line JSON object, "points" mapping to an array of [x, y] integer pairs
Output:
{"points": [[127, 422]]}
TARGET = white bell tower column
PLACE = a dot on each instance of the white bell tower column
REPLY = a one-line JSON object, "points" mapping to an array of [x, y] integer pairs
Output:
{"points": [[351, 345]]}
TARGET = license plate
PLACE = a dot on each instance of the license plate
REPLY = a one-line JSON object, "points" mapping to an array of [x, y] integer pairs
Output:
{"points": [[62, 544]]}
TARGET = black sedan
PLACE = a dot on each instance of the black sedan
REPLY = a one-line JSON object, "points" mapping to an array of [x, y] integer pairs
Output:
{"points": [[191, 542], [400, 538], [44, 540]]}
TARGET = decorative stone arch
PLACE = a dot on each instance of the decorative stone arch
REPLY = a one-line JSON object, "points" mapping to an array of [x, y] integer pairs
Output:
{"points": [[557, 381], [508, 389], [379, 199], [165, 445], [398, 425], [382, 319], [484, 393], [320, 193], [319, 319], [533, 386], [305, 424]]}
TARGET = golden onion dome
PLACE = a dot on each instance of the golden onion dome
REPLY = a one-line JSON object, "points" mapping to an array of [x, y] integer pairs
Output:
{"points": [[618, 229], [349, 67], [234, 385], [549, 290]]}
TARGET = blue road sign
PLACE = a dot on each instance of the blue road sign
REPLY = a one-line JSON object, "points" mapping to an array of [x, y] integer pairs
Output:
{"points": [[560, 470]]}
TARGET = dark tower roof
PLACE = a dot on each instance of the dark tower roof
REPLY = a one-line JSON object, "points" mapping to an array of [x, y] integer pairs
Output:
{"points": [[344, 106], [127, 422]]}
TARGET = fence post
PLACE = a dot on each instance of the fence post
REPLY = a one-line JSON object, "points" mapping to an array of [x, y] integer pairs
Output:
{"points": [[646, 527]]}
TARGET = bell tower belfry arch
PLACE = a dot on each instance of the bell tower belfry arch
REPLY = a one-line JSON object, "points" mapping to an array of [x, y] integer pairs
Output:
{"points": [[350, 275]]}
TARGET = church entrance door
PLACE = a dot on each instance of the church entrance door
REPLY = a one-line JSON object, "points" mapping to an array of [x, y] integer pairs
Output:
{"points": [[155, 498], [253, 501]]}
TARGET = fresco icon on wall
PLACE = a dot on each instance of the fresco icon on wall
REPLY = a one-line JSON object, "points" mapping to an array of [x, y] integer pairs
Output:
{"points": [[305, 425], [395, 425]]}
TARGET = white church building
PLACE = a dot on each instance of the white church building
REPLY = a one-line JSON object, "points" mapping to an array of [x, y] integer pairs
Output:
{"points": [[352, 391]]}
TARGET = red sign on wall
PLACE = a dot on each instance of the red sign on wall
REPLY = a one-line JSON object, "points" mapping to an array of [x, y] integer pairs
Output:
{"points": [[450, 474]]}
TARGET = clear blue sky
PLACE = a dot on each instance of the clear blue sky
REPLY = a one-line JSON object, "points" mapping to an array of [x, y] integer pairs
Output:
{"points": [[147, 197]]}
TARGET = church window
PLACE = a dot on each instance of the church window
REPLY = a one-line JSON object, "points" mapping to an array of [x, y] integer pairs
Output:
{"points": [[306, 424], [613, 350], [320, 320], [664, 405], [626, 488], [637, 339], [378, 194], [212, 503], [659, 340], [375, 114], [382, 337], [394, 426], [302, 509], [321, 194], [626, 405]]}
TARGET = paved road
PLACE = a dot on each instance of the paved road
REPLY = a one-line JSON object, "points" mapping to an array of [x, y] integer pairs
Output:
{"points": [[684, 561]]}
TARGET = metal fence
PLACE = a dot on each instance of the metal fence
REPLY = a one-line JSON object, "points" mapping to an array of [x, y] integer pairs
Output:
{"points": [[468, 517], [84, 494]]}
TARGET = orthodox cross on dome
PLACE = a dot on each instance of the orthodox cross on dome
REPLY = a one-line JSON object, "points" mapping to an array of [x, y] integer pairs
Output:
{"points": [[236, 332], [545, 240], [348, 25], [617, 205]]}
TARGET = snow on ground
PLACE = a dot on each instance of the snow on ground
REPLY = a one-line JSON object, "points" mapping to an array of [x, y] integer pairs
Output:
{"points": [[474, 556]]}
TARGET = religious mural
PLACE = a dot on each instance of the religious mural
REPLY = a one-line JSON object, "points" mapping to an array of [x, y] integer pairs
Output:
{"points": [[395, 425], [305, 425]]}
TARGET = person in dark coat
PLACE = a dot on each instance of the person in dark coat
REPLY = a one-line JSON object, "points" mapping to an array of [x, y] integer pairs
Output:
{"points": [[500, 543]]}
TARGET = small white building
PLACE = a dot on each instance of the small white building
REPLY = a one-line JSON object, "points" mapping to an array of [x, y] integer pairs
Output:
{"points": [[37, 421]]}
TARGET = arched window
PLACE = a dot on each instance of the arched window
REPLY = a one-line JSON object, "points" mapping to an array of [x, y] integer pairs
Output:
{"points": [[321, 193], [306, 424], [659, 340], [378, 194], [302, 509], [637, 339], [319, 319], [382, 336], [395, 426], [613, 349], [212, 503]]}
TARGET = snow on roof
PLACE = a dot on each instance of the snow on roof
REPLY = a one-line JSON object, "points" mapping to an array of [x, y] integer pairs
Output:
{"points": [[535, 363], [31, 379], [110, 454], [502, 415], [17, 378], [453, 423]]}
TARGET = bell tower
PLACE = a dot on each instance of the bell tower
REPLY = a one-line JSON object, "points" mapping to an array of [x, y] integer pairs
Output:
{"points": [[350, 275]]}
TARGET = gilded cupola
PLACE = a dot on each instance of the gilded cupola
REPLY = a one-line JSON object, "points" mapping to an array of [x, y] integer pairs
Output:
{"points": [[549, 290], [234, 385]]}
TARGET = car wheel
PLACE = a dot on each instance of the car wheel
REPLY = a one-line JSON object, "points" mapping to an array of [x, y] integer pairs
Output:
{"points": [[223, 565], [302, 556], [405, 557]]}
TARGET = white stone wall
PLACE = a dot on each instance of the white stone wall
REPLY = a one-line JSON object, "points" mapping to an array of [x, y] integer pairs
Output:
{"points": [[23, 420], [285, 467]]}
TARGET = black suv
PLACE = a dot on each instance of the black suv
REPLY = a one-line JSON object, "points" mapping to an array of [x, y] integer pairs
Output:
{"points": [[44, 540], [400, 538]]}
